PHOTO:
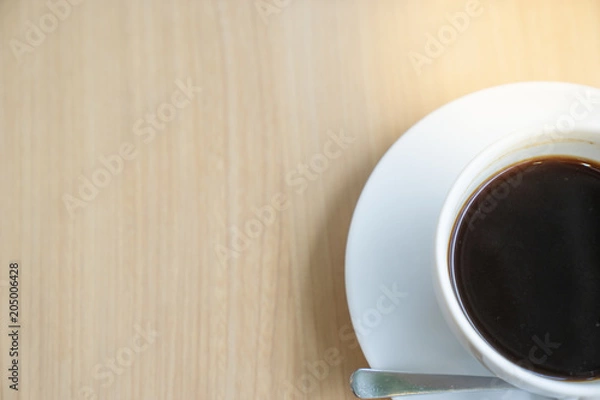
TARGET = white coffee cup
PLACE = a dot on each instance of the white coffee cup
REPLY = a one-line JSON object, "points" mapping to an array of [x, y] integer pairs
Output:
{"points": [[583, 141]]}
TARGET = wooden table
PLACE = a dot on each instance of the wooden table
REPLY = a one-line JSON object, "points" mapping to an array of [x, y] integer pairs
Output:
{"points": [[179, 176]]}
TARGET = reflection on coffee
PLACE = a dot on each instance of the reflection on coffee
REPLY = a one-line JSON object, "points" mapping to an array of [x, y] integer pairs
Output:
{"points": [[525, 260]]}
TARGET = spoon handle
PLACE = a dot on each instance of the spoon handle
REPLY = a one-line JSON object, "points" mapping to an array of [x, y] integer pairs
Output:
{"points": [[376, 384]]}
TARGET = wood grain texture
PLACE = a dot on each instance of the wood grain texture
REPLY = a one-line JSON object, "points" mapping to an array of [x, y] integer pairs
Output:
{"points": [[157, 250]]}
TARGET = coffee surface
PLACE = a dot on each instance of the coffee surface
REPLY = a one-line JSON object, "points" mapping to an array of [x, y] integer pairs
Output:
{"points": [[525, 259]]}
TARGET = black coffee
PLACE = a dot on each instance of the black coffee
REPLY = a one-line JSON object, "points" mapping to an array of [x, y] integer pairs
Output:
{"points": [[525, 259]]}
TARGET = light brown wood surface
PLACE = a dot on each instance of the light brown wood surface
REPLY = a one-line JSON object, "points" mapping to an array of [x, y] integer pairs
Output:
{"points": [[157, 249]]}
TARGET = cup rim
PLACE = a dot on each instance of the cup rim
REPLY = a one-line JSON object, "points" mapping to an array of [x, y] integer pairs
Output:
{"points": [[448, 298]]}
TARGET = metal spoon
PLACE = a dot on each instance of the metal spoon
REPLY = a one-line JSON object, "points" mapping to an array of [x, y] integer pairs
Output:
{"points": [[376, 384]]}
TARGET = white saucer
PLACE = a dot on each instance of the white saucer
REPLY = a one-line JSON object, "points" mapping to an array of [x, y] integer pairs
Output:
{"points": [[391, 237]]}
